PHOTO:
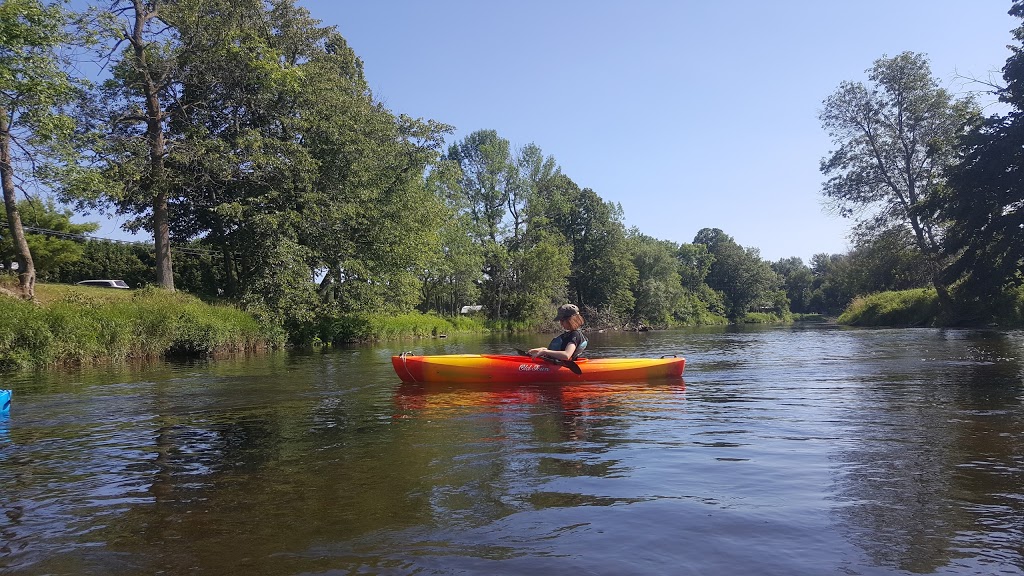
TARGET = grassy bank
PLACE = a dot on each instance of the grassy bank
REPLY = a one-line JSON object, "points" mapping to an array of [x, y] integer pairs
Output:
{"points": [[73, 325], [374, 327], [917, 307], [766, 318], [920, 308]]}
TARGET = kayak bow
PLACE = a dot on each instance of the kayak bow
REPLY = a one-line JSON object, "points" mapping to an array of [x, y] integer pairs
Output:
{"points": [[498, 368]]}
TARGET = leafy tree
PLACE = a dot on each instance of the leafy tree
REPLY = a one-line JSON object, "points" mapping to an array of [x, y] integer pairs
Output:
{"points": [[602, 273], [659, 288], [985, 199], [835, 282], [895, 138], [134, 111], [523, 273], [694, 265], [487, 171], [798, 282], [889, 261], [451, 278], [50, 250], [744, 279], [132, 263], [700, 304], [536, 278], [33, 89]]}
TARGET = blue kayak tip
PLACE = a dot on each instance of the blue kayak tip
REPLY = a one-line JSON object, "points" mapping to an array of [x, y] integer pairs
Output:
{"points": [[5, 402]]}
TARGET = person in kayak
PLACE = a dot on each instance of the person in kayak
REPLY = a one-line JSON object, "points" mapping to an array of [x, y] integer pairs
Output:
{"points": [[571, 343]]}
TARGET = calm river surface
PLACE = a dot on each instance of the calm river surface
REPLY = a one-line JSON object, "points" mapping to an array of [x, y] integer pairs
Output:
{"points": [[787, 450]]}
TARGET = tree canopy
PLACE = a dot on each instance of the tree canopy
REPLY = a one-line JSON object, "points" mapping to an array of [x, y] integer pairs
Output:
{"points": [[896, 136], [984, 202], [243, 135]]}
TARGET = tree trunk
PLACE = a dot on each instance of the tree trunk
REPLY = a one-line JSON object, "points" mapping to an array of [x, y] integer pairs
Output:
{"points": [[155, 184], [162, 237], [26, 267]]}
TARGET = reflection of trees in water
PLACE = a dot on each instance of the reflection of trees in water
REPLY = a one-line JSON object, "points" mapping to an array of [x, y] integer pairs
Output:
{"points": [[935, 476], [233, 484]]}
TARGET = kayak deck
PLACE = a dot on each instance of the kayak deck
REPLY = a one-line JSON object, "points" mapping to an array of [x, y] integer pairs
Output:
{"points": [[498, 368]]}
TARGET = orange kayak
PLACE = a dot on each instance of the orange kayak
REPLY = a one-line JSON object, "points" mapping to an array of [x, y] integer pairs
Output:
{"points": [[465, 368]]}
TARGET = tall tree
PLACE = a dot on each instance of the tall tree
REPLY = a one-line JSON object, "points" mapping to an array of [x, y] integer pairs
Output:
{"points": [[797, 280], [33, 88], [985, 199], [602, 273], [895, 137], [134, 110], [835, 282], [523, 270], [744, 279], [452, 277], [659, 288]]}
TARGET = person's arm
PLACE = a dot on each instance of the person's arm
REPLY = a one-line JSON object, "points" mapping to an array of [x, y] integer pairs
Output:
{"points": [[556, 354]]}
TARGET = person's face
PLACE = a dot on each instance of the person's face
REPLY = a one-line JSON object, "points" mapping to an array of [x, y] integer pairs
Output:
{"points": [[565, 323]]}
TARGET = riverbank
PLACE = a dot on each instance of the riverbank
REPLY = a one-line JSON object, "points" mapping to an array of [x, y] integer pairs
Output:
{"points": [[69, 325], [80, 325], [920, 307]]}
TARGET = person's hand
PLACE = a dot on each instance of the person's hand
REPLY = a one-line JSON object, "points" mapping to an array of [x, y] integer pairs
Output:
{"points": [[534, 352]]}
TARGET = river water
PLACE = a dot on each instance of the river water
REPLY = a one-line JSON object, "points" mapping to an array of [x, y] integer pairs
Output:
{"points": [[810, 449]]}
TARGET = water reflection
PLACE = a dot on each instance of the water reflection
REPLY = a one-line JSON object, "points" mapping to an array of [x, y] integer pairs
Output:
{"points": [[787, 451], [931, 475]]}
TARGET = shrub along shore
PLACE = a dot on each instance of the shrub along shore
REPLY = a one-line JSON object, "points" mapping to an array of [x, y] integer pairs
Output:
{"points": [[920, 307], [73, 325]]}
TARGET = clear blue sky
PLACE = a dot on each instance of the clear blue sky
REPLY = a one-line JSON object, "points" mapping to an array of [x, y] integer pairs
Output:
{"points": [[689, 113]]}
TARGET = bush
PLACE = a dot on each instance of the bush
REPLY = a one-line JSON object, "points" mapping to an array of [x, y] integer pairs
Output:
{"points": [[765, 318], [367, 327], [917, 307], [80, 328]]}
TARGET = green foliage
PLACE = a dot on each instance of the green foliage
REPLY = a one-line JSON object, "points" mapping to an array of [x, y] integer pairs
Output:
{"points": [[744, 279], [369, 327], [765, 318], [896, 139], [81, 327], [798, 282], [694, 265], [49, 251], [25, 338], [536, 278], [132, 263], [917, 307], [602, 273], [285, 294], [35, 127], [984, 201], [659, 289]]}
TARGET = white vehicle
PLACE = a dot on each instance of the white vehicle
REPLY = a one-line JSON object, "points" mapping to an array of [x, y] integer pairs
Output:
{"points": [[105, 283]]}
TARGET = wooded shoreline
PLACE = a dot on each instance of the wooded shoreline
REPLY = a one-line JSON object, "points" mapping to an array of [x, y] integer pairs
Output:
{"points": [[74, 325]]}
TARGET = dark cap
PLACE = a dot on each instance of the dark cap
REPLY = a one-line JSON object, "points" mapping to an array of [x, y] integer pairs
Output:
{"points": [[566, 311]]}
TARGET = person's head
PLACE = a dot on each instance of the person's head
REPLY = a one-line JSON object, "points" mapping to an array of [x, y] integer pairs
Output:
{"points": [[569, 317]]}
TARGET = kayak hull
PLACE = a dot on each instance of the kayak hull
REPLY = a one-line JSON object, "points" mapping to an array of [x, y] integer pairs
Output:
{"points": [[496, 368]]}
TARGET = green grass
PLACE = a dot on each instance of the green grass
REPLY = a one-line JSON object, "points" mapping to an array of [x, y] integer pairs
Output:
{"points": [[370, 327], [916, 307], [81, 325], [765, 318]]}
